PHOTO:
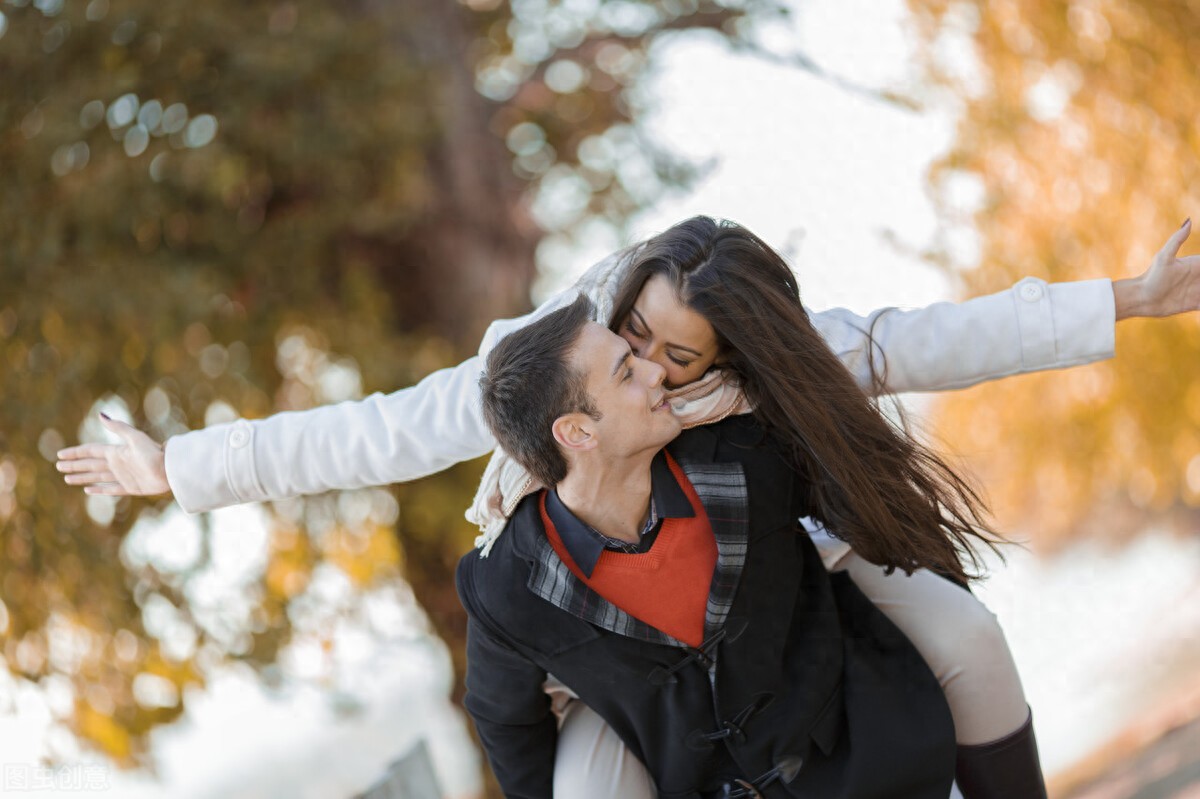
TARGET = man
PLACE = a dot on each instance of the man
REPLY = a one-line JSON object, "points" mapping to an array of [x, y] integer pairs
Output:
{"points": [[672, 592]]}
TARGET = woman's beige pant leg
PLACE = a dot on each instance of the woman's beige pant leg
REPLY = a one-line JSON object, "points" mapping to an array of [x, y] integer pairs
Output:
{"points": [[957, 635], [592, 762], [959, 638]]}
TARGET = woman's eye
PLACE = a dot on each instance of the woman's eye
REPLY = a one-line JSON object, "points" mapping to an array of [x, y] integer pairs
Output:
{"points": [[677, 362], [633, 331]]}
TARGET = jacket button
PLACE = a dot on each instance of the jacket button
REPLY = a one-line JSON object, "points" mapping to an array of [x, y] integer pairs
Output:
{"points": [[239, 438], [1031, 292], [743, 789], [735, 732]]}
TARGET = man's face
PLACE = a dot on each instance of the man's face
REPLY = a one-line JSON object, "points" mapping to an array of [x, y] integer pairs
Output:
{"points": [[627, 391]]}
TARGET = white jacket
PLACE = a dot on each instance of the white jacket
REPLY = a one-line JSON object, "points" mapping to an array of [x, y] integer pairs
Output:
{"points": [[416, 431]]}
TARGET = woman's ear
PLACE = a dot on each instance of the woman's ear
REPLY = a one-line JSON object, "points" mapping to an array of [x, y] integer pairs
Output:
{"points": [[572, 432]]}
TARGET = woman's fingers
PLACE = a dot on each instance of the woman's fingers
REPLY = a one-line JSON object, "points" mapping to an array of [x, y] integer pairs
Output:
{"points": [[134, 467], [1171, 248], [88, 478], [107, 489], [89, 467], [84, 451], [120, 428], [81, 465]]}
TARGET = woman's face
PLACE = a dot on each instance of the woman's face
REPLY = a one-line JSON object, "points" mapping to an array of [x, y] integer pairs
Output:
{"points": [[662, 329]]}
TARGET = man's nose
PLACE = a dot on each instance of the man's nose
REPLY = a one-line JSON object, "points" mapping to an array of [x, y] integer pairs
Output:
{"points": [[655, 374]]}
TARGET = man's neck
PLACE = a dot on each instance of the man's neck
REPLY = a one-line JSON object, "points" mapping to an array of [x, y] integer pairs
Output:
{"points": [[613, 497]]}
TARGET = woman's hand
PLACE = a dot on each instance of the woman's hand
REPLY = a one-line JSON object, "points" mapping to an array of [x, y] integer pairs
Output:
{"points": [[135, 467], [1171, 285]]}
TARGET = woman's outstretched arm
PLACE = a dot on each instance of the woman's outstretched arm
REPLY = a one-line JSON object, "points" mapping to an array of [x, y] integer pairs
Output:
{"points": [[385, 438], [375, 441], [425, 428], [1033, 326]]}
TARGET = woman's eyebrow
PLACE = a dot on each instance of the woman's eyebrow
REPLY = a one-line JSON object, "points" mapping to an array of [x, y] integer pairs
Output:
{"points": [[642, 321]]}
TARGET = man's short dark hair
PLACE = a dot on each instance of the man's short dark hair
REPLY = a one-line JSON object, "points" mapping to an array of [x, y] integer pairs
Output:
{"points": [[529, 383]]}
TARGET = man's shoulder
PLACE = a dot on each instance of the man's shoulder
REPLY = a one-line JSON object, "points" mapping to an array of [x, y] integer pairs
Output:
{"points": [[742, 440], [498, 590], [480, 577], [734, 438]]}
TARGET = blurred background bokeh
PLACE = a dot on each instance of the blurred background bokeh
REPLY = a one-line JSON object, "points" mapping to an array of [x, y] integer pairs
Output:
{"points": [[222, 209]]}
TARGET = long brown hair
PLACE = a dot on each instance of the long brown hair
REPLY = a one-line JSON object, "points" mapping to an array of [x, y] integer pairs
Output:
{"points": [[895, 501]]}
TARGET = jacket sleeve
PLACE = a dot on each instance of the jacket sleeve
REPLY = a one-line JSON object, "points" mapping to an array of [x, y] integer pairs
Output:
{"points": [[506, 699], [511, 710], [385, 438], [1032, 326]]}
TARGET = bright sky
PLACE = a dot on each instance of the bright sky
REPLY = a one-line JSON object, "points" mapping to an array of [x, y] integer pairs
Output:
{"points": [[821, 174]]}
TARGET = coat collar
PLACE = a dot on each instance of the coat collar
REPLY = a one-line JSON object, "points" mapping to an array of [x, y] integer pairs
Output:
{"points": [[722, 491], [585, 545]]}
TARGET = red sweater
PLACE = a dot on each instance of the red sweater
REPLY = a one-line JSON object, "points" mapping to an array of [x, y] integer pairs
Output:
{"points": [[666, 587]]}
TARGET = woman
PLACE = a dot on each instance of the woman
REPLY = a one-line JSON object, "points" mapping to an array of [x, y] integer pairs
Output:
{"points": [[652, 311]]}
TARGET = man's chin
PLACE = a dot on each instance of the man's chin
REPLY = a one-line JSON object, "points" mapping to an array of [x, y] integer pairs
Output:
{"points": [[671, 428]]}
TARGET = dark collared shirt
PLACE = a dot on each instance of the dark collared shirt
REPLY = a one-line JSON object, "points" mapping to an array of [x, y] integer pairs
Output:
{"points": [[585, 543]]}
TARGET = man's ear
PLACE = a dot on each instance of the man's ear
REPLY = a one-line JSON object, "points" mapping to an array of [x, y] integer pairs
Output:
{"points": [[573, 432]]}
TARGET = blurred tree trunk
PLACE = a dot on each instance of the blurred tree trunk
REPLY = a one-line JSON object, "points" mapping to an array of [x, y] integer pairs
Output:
{"points": [[469, 258]]}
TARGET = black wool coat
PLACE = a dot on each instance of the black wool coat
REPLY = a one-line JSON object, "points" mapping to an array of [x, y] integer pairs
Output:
{"points": [[802, 689]]}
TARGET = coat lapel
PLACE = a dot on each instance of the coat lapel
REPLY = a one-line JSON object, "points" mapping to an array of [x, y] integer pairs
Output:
{"points": [[722, 491], [554, 582]]}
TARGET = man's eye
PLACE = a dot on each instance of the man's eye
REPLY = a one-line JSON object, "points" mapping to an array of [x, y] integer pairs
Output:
{"points": [[628, 374]]}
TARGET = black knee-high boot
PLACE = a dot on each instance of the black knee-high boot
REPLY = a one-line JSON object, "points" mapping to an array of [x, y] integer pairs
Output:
{"points": [[1007, 768]]}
